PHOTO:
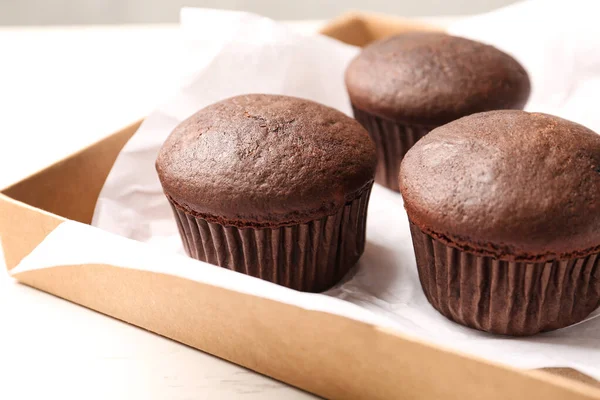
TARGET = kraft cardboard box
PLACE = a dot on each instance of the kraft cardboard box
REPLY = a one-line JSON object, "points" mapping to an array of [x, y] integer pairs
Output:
{"points": [[328, 355]]}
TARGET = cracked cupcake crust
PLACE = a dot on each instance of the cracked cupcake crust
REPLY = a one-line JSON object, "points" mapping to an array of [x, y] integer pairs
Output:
{"points": [[292, 218], [513, 185], [502, 251], [265, 161]]}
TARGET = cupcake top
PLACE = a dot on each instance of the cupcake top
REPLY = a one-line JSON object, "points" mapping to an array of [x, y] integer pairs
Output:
{"points": [[509, 184], [265, 161], [432, 78]]}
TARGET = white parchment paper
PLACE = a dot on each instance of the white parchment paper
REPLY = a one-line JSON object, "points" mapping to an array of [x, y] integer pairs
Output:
{"points": [[235, 53]]}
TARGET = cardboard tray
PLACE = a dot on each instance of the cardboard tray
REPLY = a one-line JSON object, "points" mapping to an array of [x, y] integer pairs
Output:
{"points": [[328, 355]]}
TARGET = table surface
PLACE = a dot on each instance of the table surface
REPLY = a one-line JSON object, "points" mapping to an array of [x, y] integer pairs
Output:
{"points": [[62, 89]]}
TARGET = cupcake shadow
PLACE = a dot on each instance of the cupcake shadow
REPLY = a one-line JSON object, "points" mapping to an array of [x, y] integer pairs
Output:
{"points": [[375, 275], [581, 336]]}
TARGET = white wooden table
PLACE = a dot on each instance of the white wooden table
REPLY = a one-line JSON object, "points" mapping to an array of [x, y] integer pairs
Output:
{"points": [[62, 89]]}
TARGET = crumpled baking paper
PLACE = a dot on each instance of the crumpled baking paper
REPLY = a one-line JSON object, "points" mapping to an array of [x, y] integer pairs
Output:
{"points": [[234, 53]]}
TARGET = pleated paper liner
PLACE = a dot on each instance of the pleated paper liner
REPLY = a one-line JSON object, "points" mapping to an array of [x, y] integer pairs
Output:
{"points": [[392, 139], [503, 297], [309, 257]]}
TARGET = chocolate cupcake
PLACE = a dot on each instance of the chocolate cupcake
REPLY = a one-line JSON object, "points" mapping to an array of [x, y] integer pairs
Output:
{"points": [[504, 208], [275, 187], [404, 86]]}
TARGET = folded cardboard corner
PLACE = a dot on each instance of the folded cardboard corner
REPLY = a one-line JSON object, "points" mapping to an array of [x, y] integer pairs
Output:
{"points": [[329, 355], [359, 28], [68, 189]]}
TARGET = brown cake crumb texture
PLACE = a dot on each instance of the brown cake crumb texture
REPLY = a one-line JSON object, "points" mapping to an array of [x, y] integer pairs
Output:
{"points": [[512, 185], [431, 78], [266, 161]]}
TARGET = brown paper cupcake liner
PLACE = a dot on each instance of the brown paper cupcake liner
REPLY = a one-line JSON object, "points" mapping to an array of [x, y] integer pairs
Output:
{"points": [[311, 257], [505, 297], [392, 139]]}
